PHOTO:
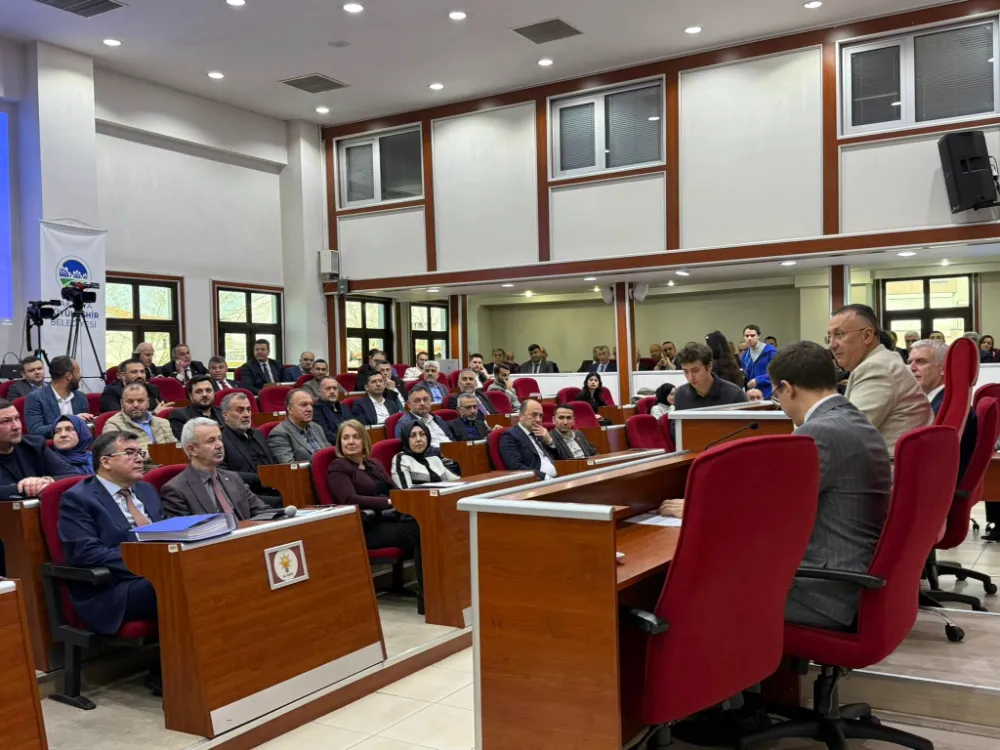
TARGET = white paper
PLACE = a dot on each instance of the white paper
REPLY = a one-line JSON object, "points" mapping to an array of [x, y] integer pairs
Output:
{"points": [[654, 519]]}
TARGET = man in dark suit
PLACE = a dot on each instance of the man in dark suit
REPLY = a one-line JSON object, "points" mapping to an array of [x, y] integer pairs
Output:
{"points": [[470, 424], [246, 448], [145, 352], [201, 394], [420, 401], [499, 358], [218, 370], [374, 408], [27, 464], [395, 388], [536, 364], [304, 367], [130, 371], [467, 384], [32, 379], [602, 361], [570, 443], [181, 367], [529, 446], [44, 406], [328, 412], [203, 487], [375, 358], [261, 370]]}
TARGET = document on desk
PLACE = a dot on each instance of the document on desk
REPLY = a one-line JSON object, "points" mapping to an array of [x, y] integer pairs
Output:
{"points": [[186, 528], [654, 519]]}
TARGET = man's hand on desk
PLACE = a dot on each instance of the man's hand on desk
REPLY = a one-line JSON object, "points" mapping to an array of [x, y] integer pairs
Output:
{"points": [[672, 508], [33, 486]]}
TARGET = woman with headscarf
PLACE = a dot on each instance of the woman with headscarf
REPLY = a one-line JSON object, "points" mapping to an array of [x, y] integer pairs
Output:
{"points": [[723, 362], [756, 357], [412, 466], [72, 439], [592, 392], [664, 400]]}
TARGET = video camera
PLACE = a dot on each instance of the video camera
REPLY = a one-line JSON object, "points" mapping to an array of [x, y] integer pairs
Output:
{"points": [[40, 310], [78, 296]]}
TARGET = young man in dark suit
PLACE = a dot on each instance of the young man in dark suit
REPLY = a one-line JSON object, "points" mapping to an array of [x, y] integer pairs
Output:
{"points": [[246, 448], [32, 379], [529, 446], [44, 406], [328, 412], [27, 464], [537, 364], [570, 443], [218, 370], [261, 370], [201, 394], [181, 367], [129, 372], [374, 408], [470, 424]]}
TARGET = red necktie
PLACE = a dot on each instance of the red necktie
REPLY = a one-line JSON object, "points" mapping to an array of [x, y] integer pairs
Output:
{"points": [[220, 496]]}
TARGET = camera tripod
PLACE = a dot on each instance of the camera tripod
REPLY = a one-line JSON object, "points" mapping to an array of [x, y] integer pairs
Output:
{"points": [[78, 321]]}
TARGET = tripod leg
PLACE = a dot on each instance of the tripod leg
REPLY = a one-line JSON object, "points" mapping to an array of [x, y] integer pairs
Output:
{"points": [[93, 349]]}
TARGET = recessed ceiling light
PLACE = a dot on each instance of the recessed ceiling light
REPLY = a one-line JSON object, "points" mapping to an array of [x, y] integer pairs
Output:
{"points": [[529, 293], [436, 86], [354, 7], [216, 75], [654, 118], [545, 62], [458, 15], [236, 3], [597, 288], [945, 262], [906, 254], [670, 283], [323, 110], [682, 273], [789, 262], [113, 42], [692, 30], [813, 4], [433, 291], [507, 286], [590, 278]]}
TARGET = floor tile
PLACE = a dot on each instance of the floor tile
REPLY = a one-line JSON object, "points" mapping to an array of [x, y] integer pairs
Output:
{"points": [[460, 662], [960, 556], [315, 737], [431, 684], [437, 727], [464, 698], [373, 713], [384, 743]]}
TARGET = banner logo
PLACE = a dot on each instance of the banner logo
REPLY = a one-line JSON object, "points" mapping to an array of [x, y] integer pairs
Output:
{"points": [[286, 565], [72, 270]]}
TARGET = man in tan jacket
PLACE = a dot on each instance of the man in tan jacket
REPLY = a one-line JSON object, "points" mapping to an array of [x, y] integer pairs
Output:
{"points": [[135, 417], [881, 385]]}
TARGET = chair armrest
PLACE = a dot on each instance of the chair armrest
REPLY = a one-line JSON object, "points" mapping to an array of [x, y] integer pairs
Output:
{"points": [[94, 576], [643, 621], [858, 579]]}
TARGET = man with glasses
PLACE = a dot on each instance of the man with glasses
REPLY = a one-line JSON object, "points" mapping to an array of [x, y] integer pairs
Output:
{"points": [[880, 385]]}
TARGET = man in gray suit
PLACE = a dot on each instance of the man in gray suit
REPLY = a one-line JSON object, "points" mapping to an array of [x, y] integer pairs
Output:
{"points": [[538, 364], [570, 443], [855, 481], [298, 437], [203, 487]]}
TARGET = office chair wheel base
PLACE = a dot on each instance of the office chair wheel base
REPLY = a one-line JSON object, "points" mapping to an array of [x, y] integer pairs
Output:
{"points": [[76, 701], [991, 588], [955, 634]]}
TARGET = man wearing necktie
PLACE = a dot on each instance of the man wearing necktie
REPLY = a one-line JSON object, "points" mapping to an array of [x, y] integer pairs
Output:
{"points": [[529, 446], [537, 364], [467, 384]]}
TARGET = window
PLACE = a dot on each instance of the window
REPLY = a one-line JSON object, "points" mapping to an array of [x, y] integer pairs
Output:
{"points": [[387, 167], [940, 303], [139, 309], [367, 328], [936, 75], [608, 130], [429, 331], [244, 315], [6, 231]]}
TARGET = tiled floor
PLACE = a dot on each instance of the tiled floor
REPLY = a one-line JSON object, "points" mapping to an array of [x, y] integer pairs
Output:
{"points": [[976, 555]]}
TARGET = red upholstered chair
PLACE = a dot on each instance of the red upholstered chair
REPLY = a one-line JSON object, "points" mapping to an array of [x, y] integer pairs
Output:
{"points": [[453, 379], [548, 411], [273, 399], [526, 388], [606, 395], [265, 429], [400, 370], [349, 402], [111, 376], [644, 404], [385, 450], [164, 413], [19, 405], [961, 370], [348, 379], [302, 380], [391, 422], [566, 394], [549, 426], [646, 363], [733, 642], [493, 443], [219, 395], [65, 626], [643, 432], [100, 420], [500, 401], [160, 476], [664, 423], [5, 387], [170, 388], [447, 414], [987, 391], [94, 403], [487, 384], [926, 462], [584, 414]]}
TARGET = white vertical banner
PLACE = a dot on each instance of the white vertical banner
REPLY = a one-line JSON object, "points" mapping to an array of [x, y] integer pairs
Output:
{"points": [[72, 254]]}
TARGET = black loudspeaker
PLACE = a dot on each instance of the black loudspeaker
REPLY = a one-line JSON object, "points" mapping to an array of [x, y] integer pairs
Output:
{"points": [[967, 171]]}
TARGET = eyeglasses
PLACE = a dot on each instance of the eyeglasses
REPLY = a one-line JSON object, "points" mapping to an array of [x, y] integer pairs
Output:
{"points": [[132, 453], [776, 391], [841, 335]]}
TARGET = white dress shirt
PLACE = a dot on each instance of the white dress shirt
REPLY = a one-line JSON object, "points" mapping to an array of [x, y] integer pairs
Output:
{"points": [[381, 410], [115, 491], [548, 469], [933, 394], [814, 407], [65, 404], [438, 435]]}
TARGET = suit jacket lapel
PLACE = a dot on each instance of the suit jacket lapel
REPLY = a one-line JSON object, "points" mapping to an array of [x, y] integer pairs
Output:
{"points": [[243, 449], [109, 505], [198, 492], [240, 506]]}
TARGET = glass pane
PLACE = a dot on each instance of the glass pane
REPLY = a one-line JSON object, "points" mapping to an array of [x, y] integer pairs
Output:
{"points": [[420, 345], [952, 328], [161, 346], [954, 72], [950, 292], [354, 315], [418, 318], [232, 307], [399, 166], [118, 301], [577, 133], [235, 349], [118, 346], [376, 344], [360, 170], [374, 315], [633, 127], [900, 327], [439, 319], [355, 353], [156, 303], [272, 341], [875, 86], [904, 295], [440, 350], [264, 308]]}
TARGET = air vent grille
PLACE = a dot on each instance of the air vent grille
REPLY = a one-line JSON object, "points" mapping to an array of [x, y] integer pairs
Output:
{"points": [[547, 31], [315, 84], [84, 8]]}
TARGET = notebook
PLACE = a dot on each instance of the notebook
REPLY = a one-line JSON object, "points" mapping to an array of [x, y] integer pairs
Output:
{"points": [[187, 528]]}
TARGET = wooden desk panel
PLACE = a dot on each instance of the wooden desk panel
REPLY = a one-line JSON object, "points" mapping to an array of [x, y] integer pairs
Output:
{"points": [[473, 457], [22, 726], [648, 550], [614, 414], [501, 420], [376, 433], [991, 483], [293, 481], [266, 417], [225, 636], [567, 467], [24, 543], [697, 434], [166, 454]]}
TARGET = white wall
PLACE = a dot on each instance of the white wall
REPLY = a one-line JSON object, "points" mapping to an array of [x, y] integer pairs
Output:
{"points": [[386, 243], [989, 304], [751, 147], [12, 72]]}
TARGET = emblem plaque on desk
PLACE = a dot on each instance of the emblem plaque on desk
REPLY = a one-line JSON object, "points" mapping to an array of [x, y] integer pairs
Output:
{"points": [[286, 565]]}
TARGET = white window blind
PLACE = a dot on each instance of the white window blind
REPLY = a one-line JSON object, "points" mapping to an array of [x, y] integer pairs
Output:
{"points": [[399, 158], [876, 86], [577, 129], [360, 170], [954, 72], [381, 168], [633, 121]]}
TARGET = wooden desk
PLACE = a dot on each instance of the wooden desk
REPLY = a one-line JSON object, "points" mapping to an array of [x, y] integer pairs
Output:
{"points": [[473, 456], [24, 544], [266, 417], [376, 433], [616, 414], [233, 648], [578, 465], [607, 439], [991, 484], [444, 541], [293, 481], [21, 723], [502, 420], [697, 428], [166, 454]]}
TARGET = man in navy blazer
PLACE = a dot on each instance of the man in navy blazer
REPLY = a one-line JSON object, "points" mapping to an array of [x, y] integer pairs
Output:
{"points": [[529, 446], [44, 406], [95, 517], [374, 408], [261, 370]]}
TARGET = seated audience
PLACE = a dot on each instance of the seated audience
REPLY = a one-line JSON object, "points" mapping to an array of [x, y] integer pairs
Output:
{"points": [[501, 382], [499, 358], [602, 361], [32, 379], [467, 384], [668, 357], [375, 358], [880, 385], [655, 353], [665, 394], [589, 364], [71, 440], [181, 366], [204, 487], [724, 364], [304, 367], [328, 412], [374, 408], [395, 388], [438, 390], [592, 393], [537, 364], [298, 437], [246, 448], [417, 371], [201, 394], [570, 443], [910, 338], [704, 387], [129, 372], [413, 465], [987, 354], [261, 370], [771, 340], [136, 418], [477, 366], [755, 359], [937, 336], [854, 485], [27, 464], [218, 370], [145, 353], [61, 398], [470, 424], [419, 402], [320, 370], [892, 344], [529, 446]]}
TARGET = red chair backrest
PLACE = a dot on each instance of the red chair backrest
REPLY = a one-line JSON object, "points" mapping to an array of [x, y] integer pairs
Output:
{"points": [[987, 391], [100, 420], [321, 461], [385, 450], [526, 388], [500, 401], [170, 388], [50, 499], [453, 379], [400, 370], [19, 405], [644, 404], [5, 387], [160, 476], [548, 411], [643, 432], [94, 403], [961, 369], [734, 638], [220, 395], [349, 380], [111, 376], [265, 429], [446, 414], [609, 400], [349, 402], [646, 363], [584, 414], [664, 423], [302, 380], [391, 422], [493, 443], [488, 383], [165, 413], [273, 399], [549, 426], [566, 394]]}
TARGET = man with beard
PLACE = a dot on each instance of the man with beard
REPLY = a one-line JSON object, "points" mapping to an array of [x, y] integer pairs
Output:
{"points": [[130, 371], [246, 448], [201, 393], [62, 398], [136, 418]]}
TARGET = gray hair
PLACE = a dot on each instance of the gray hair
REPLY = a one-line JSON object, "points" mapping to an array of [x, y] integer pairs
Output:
{"points": [[938, 350], [466, 397], [188, 436], [971, 335], [433, 362], [228, 399]]}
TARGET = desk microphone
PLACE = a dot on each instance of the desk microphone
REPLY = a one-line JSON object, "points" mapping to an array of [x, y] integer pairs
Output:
{"points": [[280, 514], [724, 438]]}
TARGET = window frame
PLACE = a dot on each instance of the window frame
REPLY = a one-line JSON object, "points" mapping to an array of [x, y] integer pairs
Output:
{"points": [[598, 97], [431, 336], [926, 314], [137, 325], [907, 70], [366, 333], [249, 329], [374, 139]]}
